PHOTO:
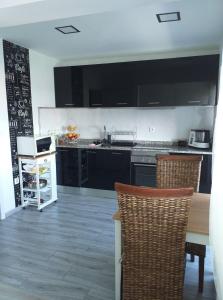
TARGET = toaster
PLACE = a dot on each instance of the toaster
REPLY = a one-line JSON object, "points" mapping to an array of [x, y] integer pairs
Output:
{"points": [[199, 138]]}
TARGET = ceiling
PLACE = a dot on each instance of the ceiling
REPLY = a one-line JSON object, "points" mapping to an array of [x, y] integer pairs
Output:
{"points": [[111, 28]]}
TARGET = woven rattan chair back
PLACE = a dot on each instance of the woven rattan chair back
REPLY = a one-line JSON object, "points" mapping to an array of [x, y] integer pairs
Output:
{"points": [[152, 221], [178, 171]]}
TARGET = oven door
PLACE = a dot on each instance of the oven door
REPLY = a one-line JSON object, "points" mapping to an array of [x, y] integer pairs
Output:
{"points": [[143, 174], [43, 145]]}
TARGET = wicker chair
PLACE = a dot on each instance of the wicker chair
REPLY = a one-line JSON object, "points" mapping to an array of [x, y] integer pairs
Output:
{"points": [[154, 223], [181, 171]]}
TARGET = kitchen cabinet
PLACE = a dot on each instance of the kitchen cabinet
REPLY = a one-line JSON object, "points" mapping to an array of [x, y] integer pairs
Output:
{"points": [[156, 95], [68, 86], [152, 83], [206, 175], [105, 167], [195, 93], [177, 94], [83, 167], [67, 166], [110, 85], [119, 166], [97, 178], [116, 97]]}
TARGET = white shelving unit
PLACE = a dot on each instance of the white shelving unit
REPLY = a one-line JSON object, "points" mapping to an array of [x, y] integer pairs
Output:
{"points": [[38, 180]]}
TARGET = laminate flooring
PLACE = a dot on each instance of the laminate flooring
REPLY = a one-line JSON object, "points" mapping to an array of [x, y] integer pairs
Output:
{"points": [[67, 252]]}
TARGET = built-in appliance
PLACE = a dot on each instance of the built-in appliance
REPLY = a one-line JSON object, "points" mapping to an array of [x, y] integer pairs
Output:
{"points": [[143, 165], [35, 145], [199, 138]]}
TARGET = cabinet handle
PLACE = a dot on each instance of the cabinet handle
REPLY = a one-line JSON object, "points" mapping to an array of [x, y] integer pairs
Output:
{"points": [[144, 165], [93, 152], [96, 104], [63, 150], [116, 153], [122, 103], [153, 103], [194, 101], [69, 104]]}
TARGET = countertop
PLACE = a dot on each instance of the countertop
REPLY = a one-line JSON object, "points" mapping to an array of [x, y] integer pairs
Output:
{"points": [[140, 147]]}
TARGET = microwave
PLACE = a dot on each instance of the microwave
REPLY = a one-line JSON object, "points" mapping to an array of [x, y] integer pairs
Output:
{"points": [[35, 145]]}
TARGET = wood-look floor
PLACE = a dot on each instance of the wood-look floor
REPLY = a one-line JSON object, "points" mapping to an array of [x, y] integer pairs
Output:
{"points": [[67, 252]]}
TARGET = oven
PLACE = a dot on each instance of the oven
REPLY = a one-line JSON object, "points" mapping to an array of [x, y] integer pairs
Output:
{"points": [[143, 166]]}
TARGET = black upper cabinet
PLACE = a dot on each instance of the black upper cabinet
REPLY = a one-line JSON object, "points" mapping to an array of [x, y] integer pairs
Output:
{"points": [[113, 97], [195, 93], [156, 95], [110, 85], [119, 97], [68, 86], [163, 82], [178, 94]]}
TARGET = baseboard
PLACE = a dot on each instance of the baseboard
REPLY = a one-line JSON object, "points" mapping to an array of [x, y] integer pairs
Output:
{"points": [[13, 211]]}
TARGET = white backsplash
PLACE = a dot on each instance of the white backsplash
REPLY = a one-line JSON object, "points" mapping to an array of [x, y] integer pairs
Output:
{"points": [[152, 124]]}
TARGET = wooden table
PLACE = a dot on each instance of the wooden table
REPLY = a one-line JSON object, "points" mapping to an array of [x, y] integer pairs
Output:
{"points": [[197, 231]]}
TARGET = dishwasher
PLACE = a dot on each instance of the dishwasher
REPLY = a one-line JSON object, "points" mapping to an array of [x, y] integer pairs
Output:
{"points": [[143, 165]]}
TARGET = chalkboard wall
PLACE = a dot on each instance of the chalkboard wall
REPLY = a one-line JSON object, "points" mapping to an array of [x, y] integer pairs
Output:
{"points": [[18, 89]]}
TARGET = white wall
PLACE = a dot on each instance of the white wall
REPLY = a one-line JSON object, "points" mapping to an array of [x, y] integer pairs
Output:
{"points": [[42, 84], [7, 200], [216, 210], [169, 123]]}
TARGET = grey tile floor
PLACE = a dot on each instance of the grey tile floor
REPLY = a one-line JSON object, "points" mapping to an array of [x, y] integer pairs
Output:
{"points": [[67, 252]]}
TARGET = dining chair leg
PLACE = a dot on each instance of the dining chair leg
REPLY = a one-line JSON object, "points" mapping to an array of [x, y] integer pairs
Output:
{"points": [[201, 274]]}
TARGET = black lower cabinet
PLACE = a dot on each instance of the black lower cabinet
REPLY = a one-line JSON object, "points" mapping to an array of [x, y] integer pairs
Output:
{"points": [[105, 167], [206, 174], [67, 164]]}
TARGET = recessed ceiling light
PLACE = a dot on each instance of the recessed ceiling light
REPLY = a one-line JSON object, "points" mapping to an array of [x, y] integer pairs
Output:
{"points": [[169, 17], [67, 29]]}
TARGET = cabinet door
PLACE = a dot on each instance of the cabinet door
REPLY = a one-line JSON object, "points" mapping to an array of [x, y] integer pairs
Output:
{"points": [[63, 86], [59, 167], [95, 98], [195, 93], [77, 86], [68, 86], [153, 95], [119, 97], [98, 175], [67, 167], [119, 167], [105, 167], [205, 179]]}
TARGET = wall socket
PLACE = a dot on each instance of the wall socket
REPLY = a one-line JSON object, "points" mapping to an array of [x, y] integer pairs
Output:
{"points": [[152, 129]]}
